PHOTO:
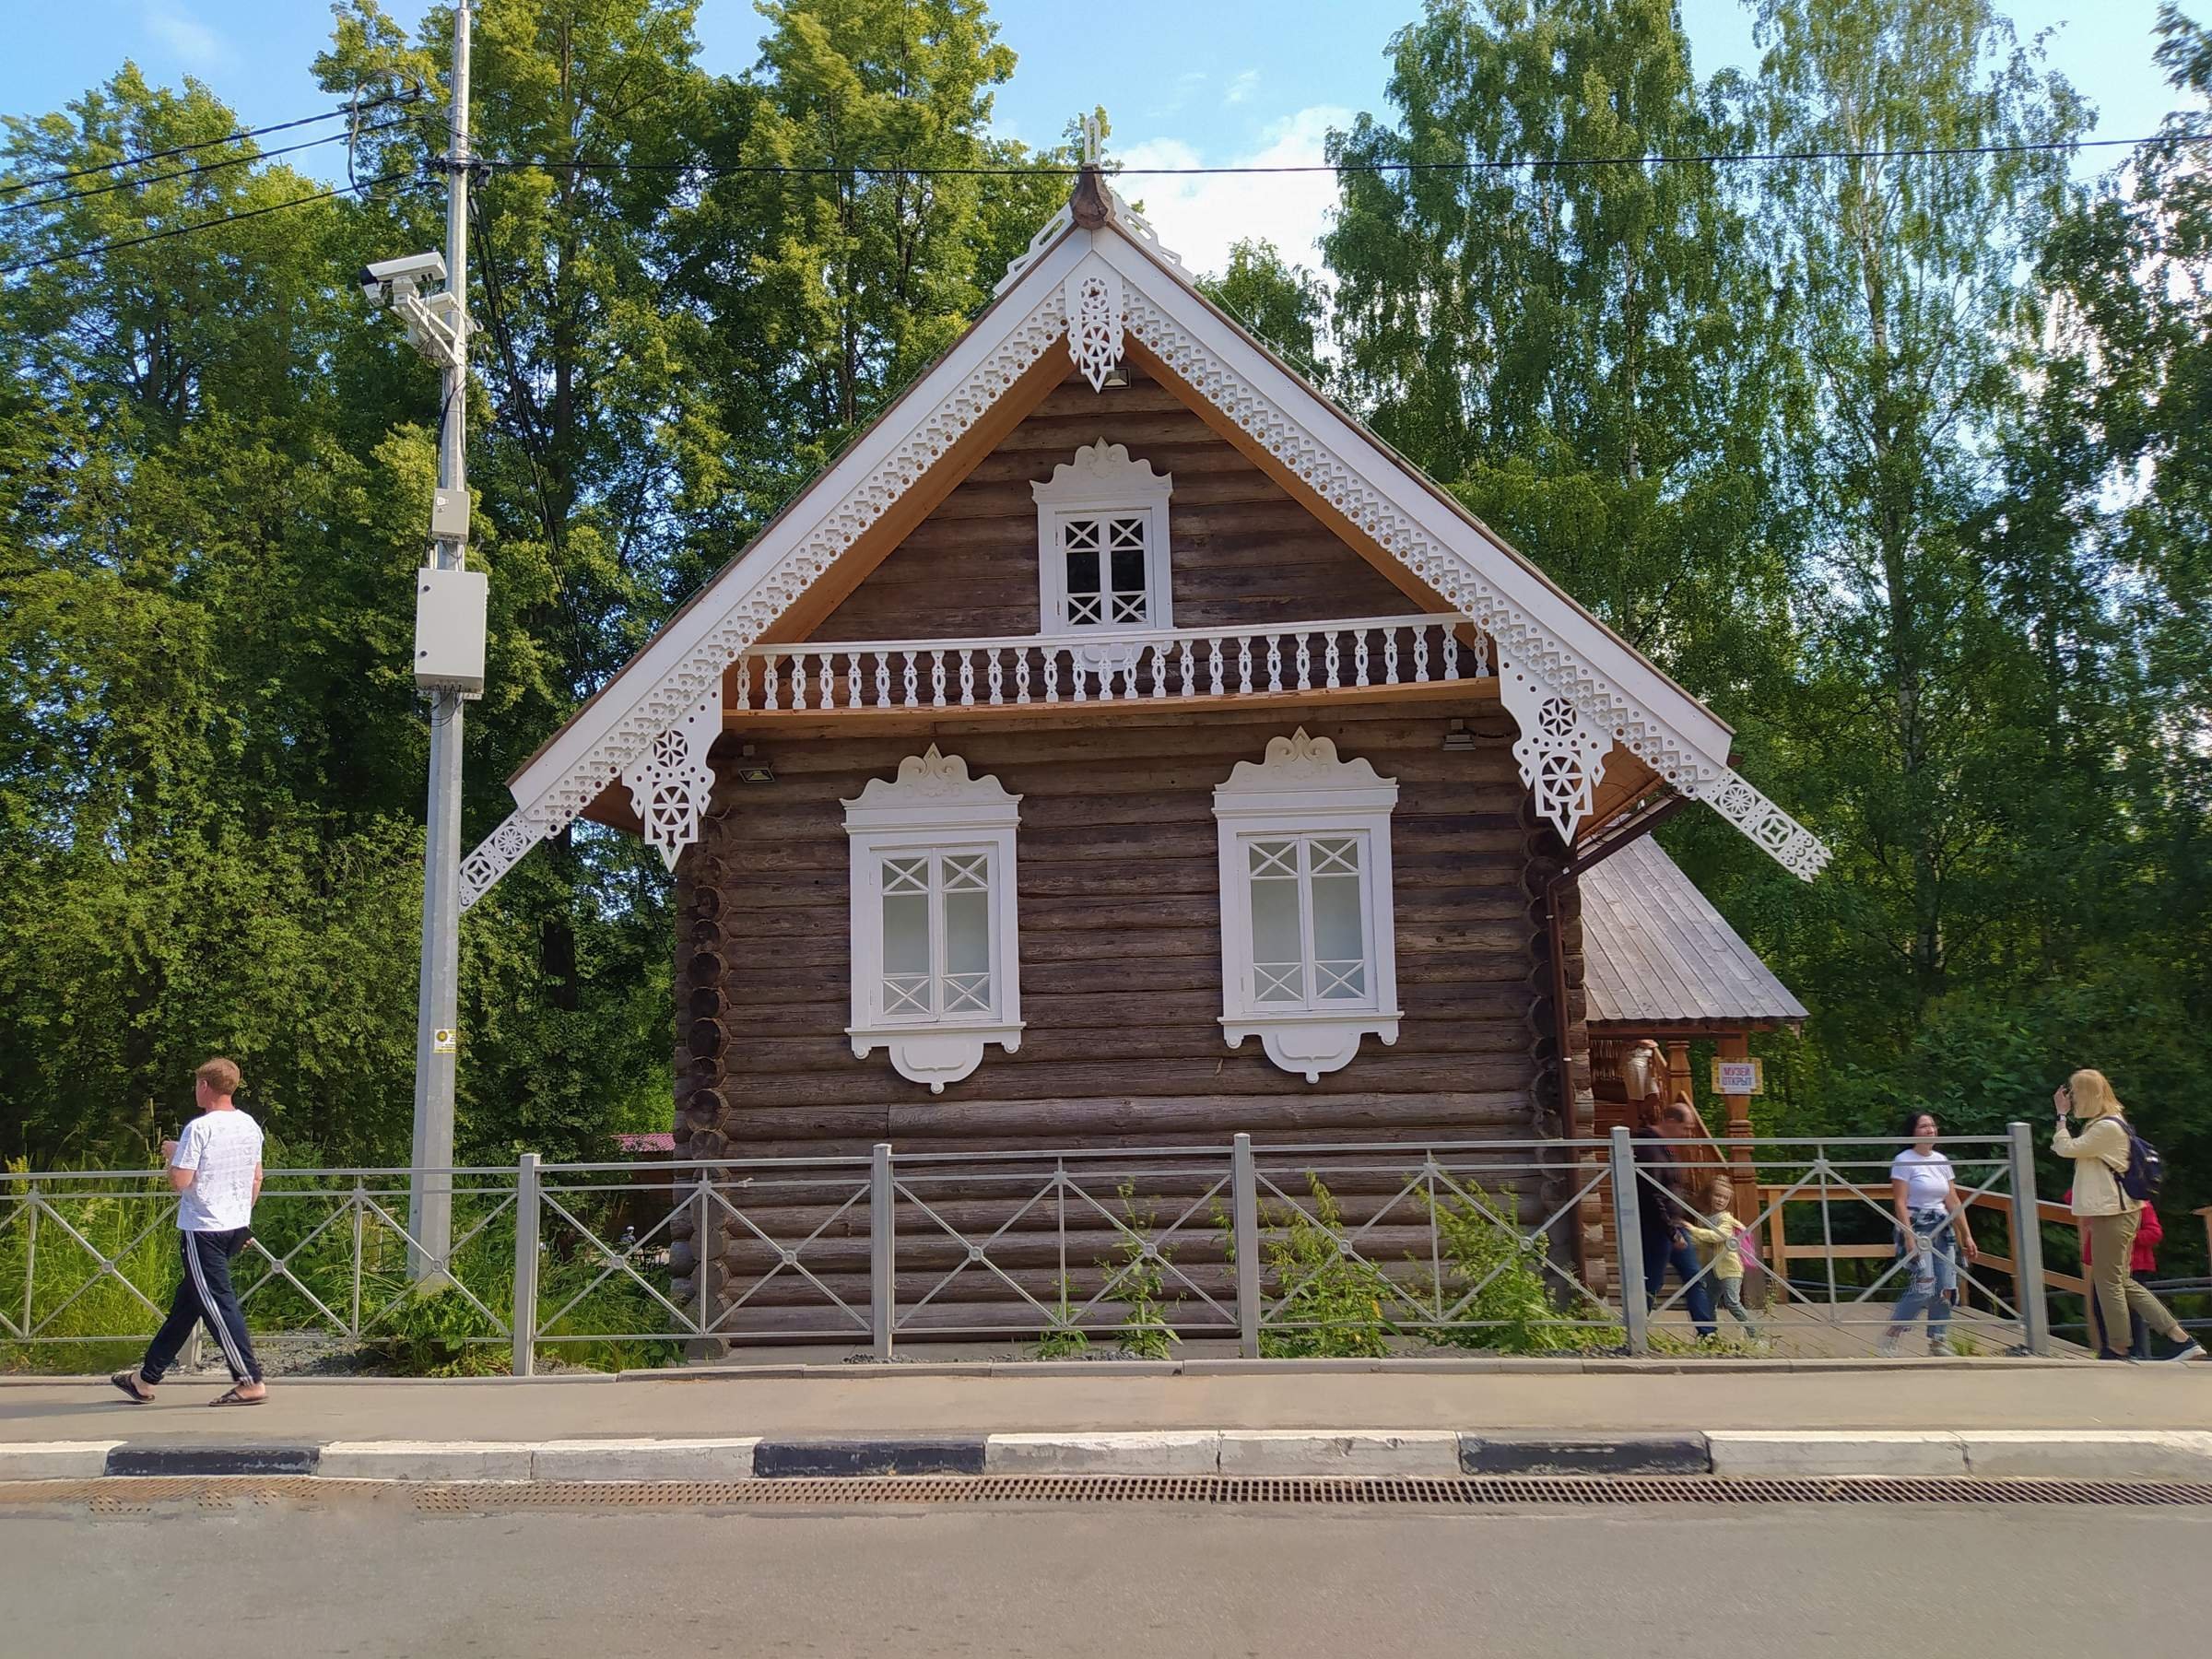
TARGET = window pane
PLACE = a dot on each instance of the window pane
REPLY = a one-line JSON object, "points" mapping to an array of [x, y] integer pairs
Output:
{"points": [[966, 951], [906, 937], [1082, 569], [1129, 572], [1278, 947], [1339, 934]]}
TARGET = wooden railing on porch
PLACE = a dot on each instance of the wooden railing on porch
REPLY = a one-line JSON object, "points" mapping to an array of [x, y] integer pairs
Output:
{"points": [[1781, 1252], [1159, 664]]}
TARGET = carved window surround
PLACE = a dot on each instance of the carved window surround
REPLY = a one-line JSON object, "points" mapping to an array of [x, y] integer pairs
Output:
{"points": [[1102, 502], [1295, 824], [936, 970]]}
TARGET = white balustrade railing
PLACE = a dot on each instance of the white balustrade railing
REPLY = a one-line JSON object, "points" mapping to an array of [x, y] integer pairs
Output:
{"points": [[1156, 664]]}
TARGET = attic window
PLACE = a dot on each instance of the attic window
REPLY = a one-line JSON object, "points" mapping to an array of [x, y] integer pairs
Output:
{"points": [[1102, 544]]}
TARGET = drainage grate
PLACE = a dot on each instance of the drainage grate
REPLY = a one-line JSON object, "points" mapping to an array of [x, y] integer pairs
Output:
{"points": [[1342, 1491], [143, 1496]]}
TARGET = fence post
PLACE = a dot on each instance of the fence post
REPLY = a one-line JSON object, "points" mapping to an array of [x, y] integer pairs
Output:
{"points": [[2027, 1243], [523, 1321], [1627, 1241], [882, 1250], [1244, 1222]]}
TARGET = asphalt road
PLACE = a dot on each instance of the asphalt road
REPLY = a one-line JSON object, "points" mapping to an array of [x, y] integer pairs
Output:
{"points": [[369, 1577]]}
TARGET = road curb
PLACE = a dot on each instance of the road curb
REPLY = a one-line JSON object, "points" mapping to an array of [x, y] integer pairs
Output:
{"points": [[1512, 1452], [2174, 1456], [126, 1459]]}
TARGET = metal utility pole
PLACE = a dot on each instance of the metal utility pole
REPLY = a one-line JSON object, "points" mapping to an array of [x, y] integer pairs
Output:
{"points": [[437, 1019]]}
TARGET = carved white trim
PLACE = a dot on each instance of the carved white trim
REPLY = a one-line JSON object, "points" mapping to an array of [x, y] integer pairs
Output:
{"points": [[1519, 636], [1128, 219], [1093, 299], [1561, 754], [933, 809], [676, 669], [1047, 234], [669, 783], [744, 612], [1102, 478], [1140, 230], [1302, 789]]}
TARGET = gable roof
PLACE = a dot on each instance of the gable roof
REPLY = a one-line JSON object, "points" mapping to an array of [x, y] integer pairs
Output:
{"points": [[1097, 290], [1656, 953]]}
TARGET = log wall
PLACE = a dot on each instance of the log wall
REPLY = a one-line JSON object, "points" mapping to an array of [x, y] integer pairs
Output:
{"points": [[1117, 886], [1118, 894]]}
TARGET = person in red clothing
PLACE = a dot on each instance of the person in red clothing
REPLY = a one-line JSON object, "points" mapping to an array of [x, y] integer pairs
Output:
{"points": [[2142, 1261]]}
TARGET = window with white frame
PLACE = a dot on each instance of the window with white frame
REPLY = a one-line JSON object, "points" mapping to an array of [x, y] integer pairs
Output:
{"points": [[1102, 544], [1309, 963], [936, 974]]}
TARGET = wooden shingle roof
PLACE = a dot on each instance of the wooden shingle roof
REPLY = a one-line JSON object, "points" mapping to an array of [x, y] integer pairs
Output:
{"points": [[1657, 954]]}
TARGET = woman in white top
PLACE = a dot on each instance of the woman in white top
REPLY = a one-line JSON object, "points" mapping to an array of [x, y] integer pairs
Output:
{"points": [[2106, 1213], [1932, 1228]]}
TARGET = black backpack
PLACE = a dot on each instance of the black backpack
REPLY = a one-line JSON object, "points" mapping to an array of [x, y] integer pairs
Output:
{"points": [[2145, 1171]]}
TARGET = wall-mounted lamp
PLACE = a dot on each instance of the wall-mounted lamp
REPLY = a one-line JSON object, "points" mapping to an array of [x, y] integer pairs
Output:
{"points": [[1459, 740]]}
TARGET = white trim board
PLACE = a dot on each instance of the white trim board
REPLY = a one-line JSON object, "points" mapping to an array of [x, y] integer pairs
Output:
{"points": [[1538, 629]]}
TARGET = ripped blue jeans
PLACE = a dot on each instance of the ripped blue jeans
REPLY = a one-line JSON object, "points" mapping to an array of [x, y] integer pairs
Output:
{"points": [[1932, 1284]]}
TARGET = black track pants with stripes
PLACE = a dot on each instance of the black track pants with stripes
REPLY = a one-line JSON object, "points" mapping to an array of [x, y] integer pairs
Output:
{"points": [[205, 1293]]}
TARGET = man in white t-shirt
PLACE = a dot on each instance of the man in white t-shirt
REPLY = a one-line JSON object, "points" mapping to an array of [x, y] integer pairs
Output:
{"points": [[216, 1169]]}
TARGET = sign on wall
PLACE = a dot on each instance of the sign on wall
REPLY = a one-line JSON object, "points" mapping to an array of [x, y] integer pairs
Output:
{"points": [[1738, 1077]]}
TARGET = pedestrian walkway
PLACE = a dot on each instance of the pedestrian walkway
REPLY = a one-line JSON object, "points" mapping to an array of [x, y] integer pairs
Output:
{"points": [[922, 1400]]}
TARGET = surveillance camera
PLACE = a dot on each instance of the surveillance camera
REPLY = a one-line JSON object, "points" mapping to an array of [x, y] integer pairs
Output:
{"points": [[394, 280]]}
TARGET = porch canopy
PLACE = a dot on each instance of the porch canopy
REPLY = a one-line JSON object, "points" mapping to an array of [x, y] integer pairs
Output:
{"points": [[1659, 961]]}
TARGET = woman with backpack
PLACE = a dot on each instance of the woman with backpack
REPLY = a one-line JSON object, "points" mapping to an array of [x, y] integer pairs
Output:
{"points": [[2106, 1166]]}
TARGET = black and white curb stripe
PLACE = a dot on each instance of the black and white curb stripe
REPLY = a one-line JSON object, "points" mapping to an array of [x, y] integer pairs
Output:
{"points": [[1995, 1453]]}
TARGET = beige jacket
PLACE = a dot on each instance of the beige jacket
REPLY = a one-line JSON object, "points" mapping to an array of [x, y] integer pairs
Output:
{"points": [[2100, 1153]]}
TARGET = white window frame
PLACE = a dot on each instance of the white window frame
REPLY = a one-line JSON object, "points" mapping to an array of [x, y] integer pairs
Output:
{"points": [[1103, 481], [1302, 790], [933, 808]]}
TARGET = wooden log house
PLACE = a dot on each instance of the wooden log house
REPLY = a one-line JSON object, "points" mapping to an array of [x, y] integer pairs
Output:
{"points": [[1118, 746]]}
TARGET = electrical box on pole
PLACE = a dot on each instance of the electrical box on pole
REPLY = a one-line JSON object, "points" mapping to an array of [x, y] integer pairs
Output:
{"points": [[449, 629]]}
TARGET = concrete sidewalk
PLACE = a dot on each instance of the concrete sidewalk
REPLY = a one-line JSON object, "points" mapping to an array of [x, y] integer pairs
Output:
{"points": [[895, 1402]]}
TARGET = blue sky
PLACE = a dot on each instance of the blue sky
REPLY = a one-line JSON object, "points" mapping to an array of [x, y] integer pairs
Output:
{"points": [[1186, 82]]}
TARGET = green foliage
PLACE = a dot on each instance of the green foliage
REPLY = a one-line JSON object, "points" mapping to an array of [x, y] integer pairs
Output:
{"points": [[1330, 1301], [1499, 1277], [1138, 1278], [1063, 1338], [1285, 304]]}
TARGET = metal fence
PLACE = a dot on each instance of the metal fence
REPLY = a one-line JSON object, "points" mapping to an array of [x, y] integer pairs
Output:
{"points": [[1516, 1246]]}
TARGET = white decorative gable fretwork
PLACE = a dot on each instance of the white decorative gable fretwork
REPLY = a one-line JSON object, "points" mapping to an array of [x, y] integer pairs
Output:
{"points": [[1561, 754], [1537, 629], [1094, 324], [669, 783]]}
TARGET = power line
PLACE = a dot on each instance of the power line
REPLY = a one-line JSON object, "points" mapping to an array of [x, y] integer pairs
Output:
{"points": [[184, 149], [62, 198], [208, 224], [1060, 169]]}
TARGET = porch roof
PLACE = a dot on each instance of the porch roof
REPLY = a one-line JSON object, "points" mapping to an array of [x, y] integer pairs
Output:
{"points": [[1656, 953]]}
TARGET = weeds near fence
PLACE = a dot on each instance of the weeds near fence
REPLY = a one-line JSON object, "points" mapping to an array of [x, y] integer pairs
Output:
{"points": [[1140, 1278], [1063, 1338], [1495, 1288], [1331, 1305]]}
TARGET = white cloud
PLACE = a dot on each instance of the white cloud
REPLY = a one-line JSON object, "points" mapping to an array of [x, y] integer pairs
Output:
{"points": [[1179, 93], [1242, 86], [1200, 218], [190, 42]]}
